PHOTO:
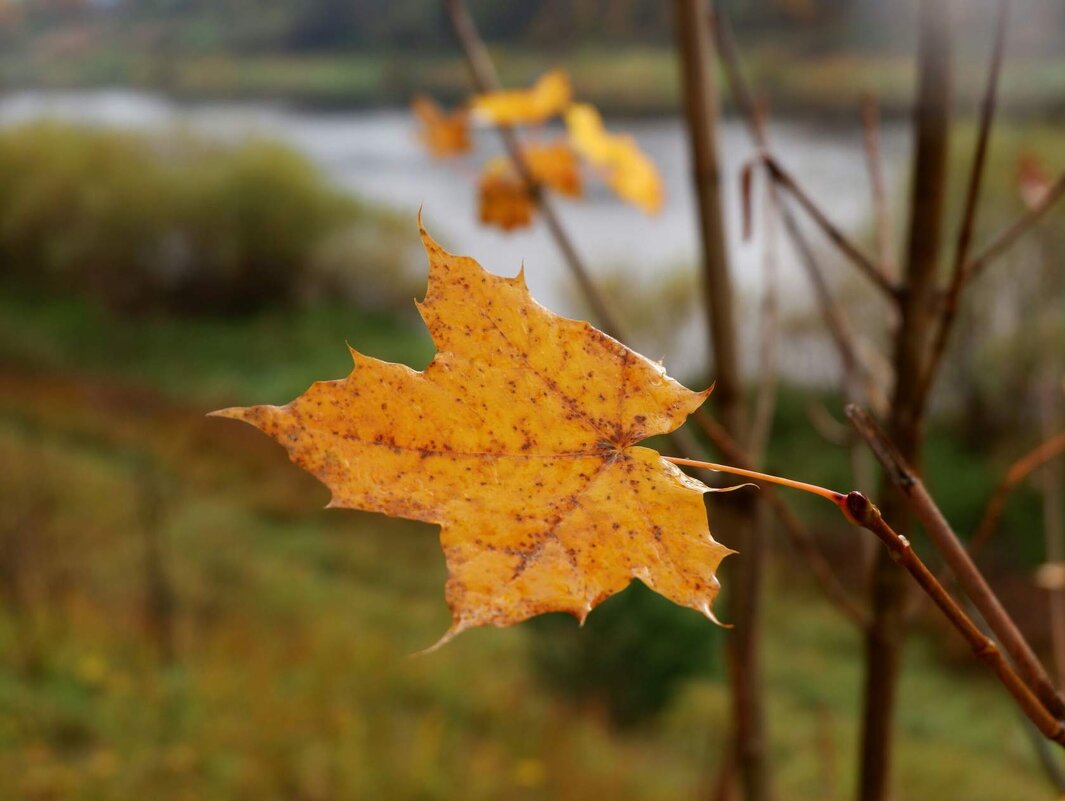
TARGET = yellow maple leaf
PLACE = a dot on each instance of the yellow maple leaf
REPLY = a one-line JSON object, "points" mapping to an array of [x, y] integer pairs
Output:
{"points": [[443, 134], [519, 440], [548, 97], [626, 168]]}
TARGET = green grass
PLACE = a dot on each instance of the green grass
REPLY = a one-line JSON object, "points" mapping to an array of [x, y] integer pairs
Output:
{"points": [[294, 624], [266, 357]]}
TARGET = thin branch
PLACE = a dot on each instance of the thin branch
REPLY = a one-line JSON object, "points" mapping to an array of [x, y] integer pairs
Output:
{"points": [[979, 163], [860, 511], [768, 337], [856, 374], [865, 514], [888, 592], [738, 87], [857, 377], [1017, 472], [1015, 230], [957, 558], [854, 370], [874, 163], [700, 106], [749, 111], [725, 783], [486, 79], [960, 272], [831, 430], [867, 266], [700, 95]]}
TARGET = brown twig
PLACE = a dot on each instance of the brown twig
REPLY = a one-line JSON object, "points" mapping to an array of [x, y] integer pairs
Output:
{"points": [[486, 79], [699, 92], [724, 784], [858, 380], [979, 163], [874, 163], [856, 375], [888, 591], [768, 338], [831, 430], [1017, 472], [865, 514], [1002, 241], [700, 108], [855, 372], [978, 168], [957, 558], [769, 319], [867, 266], [860, 511]]}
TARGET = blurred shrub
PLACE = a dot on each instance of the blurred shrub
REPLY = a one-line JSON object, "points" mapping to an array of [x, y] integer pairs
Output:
{"points": [[629, 658], [172, 221]]}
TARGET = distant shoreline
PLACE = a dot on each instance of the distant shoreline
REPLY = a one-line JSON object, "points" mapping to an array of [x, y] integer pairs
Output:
{"points": [[626, 81]]}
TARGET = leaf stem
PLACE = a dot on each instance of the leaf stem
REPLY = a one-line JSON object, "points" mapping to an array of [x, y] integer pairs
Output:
{"points": [[838, 498], [866, 515]]}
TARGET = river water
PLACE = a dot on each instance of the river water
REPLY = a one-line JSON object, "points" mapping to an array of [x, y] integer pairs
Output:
{"points": [[376, 155]]}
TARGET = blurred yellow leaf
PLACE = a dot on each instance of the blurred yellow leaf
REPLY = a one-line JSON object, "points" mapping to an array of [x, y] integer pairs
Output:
{"points": [[554, 165], [548, 97], [442, 134], [503, 199], [626, 169], [519, 440]]}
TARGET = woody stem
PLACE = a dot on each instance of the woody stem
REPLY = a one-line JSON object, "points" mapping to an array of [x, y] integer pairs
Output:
{"points": [[858, 510]]}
